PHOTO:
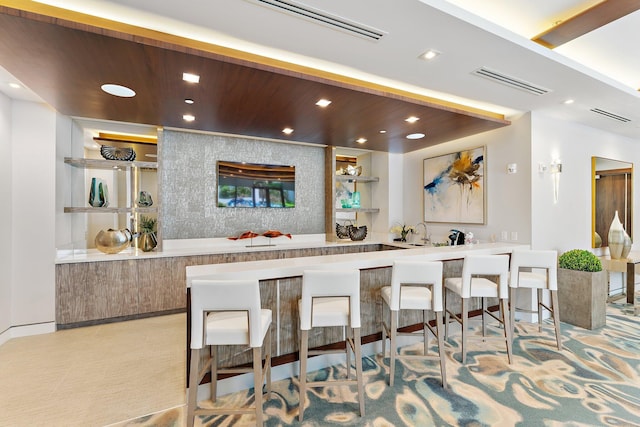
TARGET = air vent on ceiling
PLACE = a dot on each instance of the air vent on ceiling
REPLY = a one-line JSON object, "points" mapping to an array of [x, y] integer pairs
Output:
{"points": [[303, 11], [610, 115], [513, 82]]}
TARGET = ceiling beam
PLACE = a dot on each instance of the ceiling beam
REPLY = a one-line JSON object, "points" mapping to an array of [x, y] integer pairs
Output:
{"points": [[590, 19]]}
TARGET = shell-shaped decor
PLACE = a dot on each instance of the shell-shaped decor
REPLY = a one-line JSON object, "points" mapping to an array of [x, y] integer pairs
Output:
{"points": [[342, 231], [117, 153], [358, 233]]}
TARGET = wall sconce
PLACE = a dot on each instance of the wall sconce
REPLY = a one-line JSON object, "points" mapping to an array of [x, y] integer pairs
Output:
{"points": [[555, 169]]}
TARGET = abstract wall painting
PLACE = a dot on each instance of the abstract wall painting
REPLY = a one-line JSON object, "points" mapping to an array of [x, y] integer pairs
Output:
{"points": [[454, 187]]}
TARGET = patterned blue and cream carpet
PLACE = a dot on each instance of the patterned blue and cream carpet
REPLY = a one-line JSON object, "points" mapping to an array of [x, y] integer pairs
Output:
{"points": [[594, 381]]}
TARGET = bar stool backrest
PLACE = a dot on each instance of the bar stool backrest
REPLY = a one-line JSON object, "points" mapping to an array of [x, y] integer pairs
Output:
{"points": [[225, 295], [416, 273], [547, 259], [491, 265], [330, 283]]}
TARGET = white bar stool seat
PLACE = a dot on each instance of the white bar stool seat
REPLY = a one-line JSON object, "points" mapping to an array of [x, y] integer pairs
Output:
{"points": [[540, 273], [331, 298], [415, 285], [474, 283], [228, 312]]}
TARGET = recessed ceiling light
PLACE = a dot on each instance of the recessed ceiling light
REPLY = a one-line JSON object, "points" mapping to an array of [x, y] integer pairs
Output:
{"points": [[188, 117], [188, 101], [383, 131], [411, 119], [323, 103], [430, 54], [15, 85], [191, 78], [361, 140], [415, 136], [569, 101], [287, 131], [118, 90]]}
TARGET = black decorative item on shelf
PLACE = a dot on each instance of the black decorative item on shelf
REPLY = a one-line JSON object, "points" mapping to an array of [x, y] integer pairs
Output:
{"points": [[358, 233], [117, 153], [342, 231]]}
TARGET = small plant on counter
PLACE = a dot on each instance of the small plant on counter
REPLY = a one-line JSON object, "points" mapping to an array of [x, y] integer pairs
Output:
{"points": [[581, 260], [402, 230], [147, 240], [148, 224]]}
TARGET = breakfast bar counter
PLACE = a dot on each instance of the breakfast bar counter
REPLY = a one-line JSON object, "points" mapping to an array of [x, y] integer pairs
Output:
{"points": [[281, 284]]}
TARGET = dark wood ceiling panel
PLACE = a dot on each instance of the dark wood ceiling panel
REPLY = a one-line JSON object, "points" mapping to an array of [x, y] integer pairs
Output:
{"points": [[66, 67], [595, 17]]}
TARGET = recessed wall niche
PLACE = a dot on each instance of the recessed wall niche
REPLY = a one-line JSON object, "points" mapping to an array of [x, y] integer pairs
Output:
{"points": [[189, 184]]}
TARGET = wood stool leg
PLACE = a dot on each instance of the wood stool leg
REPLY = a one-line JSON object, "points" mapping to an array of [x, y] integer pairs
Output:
{"points": [[443, 356], [556, 317], [392, 346], [507, 328], [194, 379], [358, 355], [257, 383], [464, 326], [304, 350]]}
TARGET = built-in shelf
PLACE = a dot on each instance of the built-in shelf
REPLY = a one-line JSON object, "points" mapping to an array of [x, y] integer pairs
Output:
{"points": [[355, 178], [363, 210], [104, 164], [108, 164]]}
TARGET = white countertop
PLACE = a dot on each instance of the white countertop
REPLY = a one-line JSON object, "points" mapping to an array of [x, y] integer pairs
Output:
{"points": [[188, 247], [291, 267]]}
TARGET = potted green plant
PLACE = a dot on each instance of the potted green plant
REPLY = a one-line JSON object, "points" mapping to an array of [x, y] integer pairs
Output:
{"points": [[582, 289], [147, 240]]}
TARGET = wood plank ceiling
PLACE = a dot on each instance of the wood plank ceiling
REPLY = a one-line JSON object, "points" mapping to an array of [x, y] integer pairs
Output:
{"points": [[588, 20], [66, 62]]}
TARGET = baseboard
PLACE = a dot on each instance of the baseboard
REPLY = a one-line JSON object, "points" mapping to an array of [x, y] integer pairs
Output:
{"points": [[27, 330]]}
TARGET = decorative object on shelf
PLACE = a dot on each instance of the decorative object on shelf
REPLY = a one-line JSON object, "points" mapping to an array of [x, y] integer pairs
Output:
{"points": [[117, 153], [402, 230], [616, 237], [272, 234], [245, 235], [342, 231], [454, 187], [626, 247], [357, 233], [144, 199], [345, 203], [113, 241], [147, 240], [354, 170], [355, 200], [98, 194]]}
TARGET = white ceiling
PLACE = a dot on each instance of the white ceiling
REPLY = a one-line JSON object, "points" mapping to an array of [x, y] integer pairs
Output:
{"points": [[598, 70]]}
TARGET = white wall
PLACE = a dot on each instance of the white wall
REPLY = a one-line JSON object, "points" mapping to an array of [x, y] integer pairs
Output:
{"points": [[567, 224], [5, 217], [33, 154], [508, 195]]}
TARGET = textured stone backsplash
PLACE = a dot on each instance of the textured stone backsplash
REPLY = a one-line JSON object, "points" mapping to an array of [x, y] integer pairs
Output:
{"points": [[188, 180]]}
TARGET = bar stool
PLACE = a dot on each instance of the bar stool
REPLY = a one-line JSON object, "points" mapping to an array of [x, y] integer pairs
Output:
{"points": [[227, 312], [546, 260], [331, 298], [469, 286], [415, 285]]}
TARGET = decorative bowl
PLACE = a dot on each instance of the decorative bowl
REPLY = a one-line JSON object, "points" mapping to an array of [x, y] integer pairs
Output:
{"points": [[117, 153]]}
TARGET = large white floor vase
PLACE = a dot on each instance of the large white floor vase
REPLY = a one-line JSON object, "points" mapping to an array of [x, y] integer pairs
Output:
{"points": [[616, 238]]}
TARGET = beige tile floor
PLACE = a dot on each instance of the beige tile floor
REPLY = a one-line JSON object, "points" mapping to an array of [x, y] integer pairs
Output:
{"points": [[93, 376]]}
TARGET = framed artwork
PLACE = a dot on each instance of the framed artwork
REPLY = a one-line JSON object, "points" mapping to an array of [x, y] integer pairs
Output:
{"points": [[455, 187]]}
